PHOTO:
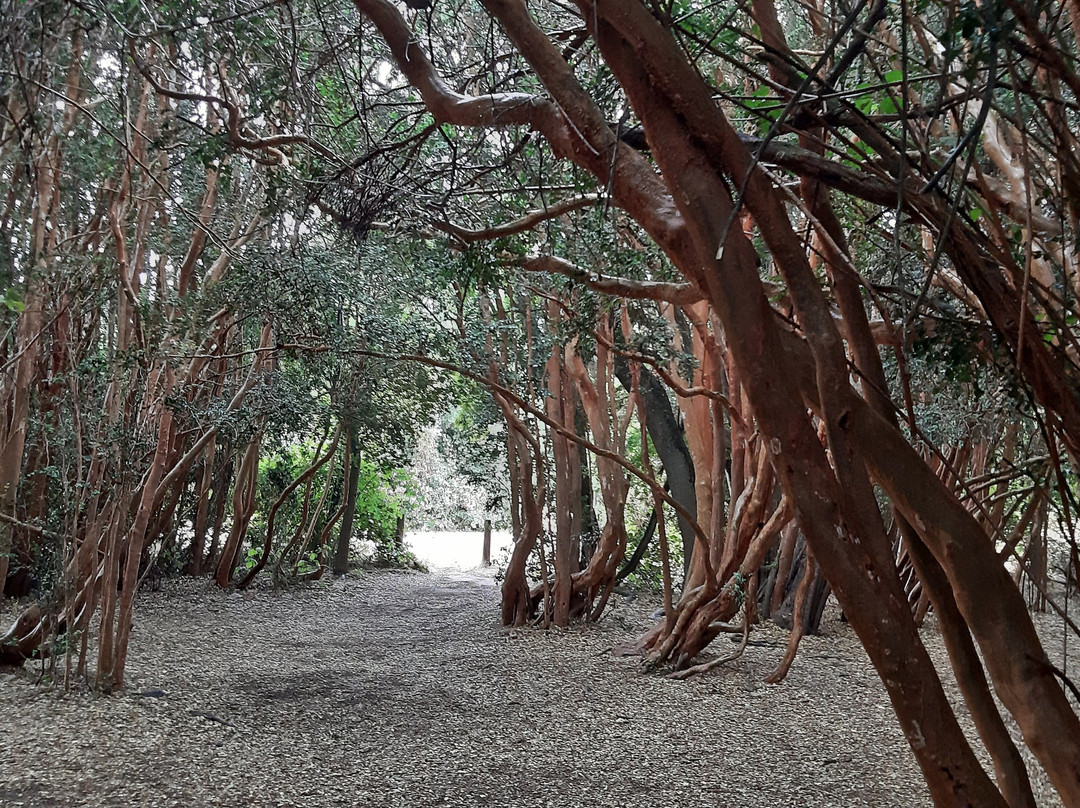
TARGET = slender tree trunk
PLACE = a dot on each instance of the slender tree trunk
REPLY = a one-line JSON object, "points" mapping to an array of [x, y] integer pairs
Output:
{"points": [[114, 675], [670, 443], [220, 495], [202, 509], [341, 554], [517, 601], [562, 467], [243, 507]]}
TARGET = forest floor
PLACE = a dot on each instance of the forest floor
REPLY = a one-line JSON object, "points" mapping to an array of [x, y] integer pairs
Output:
{"points": [[401, 689]]}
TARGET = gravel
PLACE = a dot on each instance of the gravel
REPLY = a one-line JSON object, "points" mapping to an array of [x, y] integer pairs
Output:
{"points": [[401, 689]]}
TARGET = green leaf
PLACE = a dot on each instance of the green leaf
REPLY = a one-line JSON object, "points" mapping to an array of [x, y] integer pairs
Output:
{"points": [[13, 300]]}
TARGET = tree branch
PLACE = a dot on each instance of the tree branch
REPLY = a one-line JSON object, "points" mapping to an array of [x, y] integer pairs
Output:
{"points": [[526, 222], [677, 293]]}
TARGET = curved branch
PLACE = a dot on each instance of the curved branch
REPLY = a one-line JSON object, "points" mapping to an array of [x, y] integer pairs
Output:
{"points": [[237, 138], [572, 123], [678, 293], [447, 105], [526, 222]]}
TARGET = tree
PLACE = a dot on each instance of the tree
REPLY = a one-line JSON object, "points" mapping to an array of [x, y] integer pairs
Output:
{"points": [[166, 328], [770, 214], [794, 380]]}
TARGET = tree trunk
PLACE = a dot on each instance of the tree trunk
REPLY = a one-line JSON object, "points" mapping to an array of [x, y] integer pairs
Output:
{"points": [[670, 443], [114, 673], [517, 600], [560, 410], [202, 509], [243, 507], [340, 564]]}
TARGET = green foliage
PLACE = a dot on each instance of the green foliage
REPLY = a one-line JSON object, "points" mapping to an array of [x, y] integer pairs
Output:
{"points": [[383, 497], [13, 300], [963, 385], [472, 435], [766, 108], [650, 572]]}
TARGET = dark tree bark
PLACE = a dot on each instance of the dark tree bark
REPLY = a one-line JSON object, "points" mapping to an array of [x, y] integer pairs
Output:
{"points": [[640, 550], [203, 487], [340, 564], [670, 444]]}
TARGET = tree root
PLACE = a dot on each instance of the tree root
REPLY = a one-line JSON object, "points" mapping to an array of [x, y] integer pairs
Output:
{"points": [[23, 640], [686, 673], [798, 622]]}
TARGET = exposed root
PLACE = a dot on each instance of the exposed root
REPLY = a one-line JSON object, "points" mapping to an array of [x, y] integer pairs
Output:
{"points": [[715, 663], [23, 639], [798, 622]]}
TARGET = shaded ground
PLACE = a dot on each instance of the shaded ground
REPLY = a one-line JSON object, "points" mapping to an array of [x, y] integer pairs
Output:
{"points": [[396, 689]]}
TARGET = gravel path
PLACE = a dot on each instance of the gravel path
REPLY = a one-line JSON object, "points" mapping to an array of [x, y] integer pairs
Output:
{"points": [[395, 689]]}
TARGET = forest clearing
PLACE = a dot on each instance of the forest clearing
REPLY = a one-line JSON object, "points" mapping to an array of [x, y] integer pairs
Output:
{"points": [[763, 312], [400, 689]]}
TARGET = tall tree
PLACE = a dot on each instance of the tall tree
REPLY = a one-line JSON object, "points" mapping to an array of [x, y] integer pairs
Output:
{"points": [[797, 379]]}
